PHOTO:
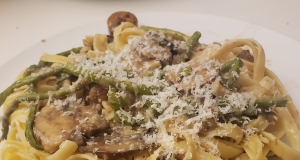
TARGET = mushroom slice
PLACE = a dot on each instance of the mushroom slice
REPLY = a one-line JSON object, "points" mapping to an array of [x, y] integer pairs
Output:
{"points": [[114, 145], [96, 94], [117, 18], [53, 125], [246, 55], [52, 128], [90, 121]]}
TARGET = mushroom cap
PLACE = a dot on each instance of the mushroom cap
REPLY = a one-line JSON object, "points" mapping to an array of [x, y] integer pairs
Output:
{"points": [[117, 18], [113, 146]]}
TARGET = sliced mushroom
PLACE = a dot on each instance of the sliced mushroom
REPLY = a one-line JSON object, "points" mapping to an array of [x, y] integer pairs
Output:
{"points": [[53, 125], [154, 46], [51, 128], [113, 146], [96, 94], [246, 55], [179, 156], [110, 38], [91, 123], [118, 17]]}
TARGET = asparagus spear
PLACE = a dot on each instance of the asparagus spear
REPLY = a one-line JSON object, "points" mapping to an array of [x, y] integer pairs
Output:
{"points": [[167, 32], [186, 71], [107, 81], [125, 119], [30, 70], [190, 44], [33, 97], [233, 68], [29, 128], [68, 52], [117, 102], [41, 64], [27, 80], [263, 104]]}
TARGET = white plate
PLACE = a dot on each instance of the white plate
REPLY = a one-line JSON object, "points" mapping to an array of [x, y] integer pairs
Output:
{"points": [[282, 53]]}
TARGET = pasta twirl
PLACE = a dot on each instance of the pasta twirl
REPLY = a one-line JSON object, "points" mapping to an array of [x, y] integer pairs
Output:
{"points": [[150, 93]]}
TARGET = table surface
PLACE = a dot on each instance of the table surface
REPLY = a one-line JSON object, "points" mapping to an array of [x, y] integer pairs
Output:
{"points": [[26, 23]]}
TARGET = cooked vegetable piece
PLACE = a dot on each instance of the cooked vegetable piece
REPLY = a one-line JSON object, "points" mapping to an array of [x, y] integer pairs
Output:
{"points": [[167, 32], [91, 122], [54, 125], [233, 68], [96, 94], [190, 44], [107, 81], [246, 55], [51, 128], [117, 18], [28, 80], [117, 102], [113, 146], [33, 97], [41, 64], [68, 52], [110, 38], [29, 128], [272, 101], [30, 70], [264, 104], [186, 71], [124, 119]]}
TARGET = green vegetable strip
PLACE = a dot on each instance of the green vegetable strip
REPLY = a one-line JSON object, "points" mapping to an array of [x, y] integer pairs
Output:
{"points": [[41, 64], [265, 104], [5, 119], [227, 66], [273, 101], [107, 81], [186, 71], [27, 80], [233, 67], [34, 97], [68, 52], [261, 103], [117, 102], [124, 119], [190, 44], [167, 32], [29, 128], [30, 70]]}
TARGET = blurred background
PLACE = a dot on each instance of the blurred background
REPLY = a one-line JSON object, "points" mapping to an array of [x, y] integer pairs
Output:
{"points": [[24, 23]]}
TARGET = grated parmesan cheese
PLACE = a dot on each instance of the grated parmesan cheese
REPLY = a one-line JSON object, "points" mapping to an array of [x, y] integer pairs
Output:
{"points": [[143, 61]]}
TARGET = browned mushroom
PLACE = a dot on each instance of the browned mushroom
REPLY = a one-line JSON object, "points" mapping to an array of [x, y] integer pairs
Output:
{"points": [[246, 55], [113, 146], [90, 121], [54, 125], [118, 17], [179, 156], [110, 38], [96, 94]]}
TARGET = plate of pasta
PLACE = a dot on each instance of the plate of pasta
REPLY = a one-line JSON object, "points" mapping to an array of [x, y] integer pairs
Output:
{"points": [[169, 86]]}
